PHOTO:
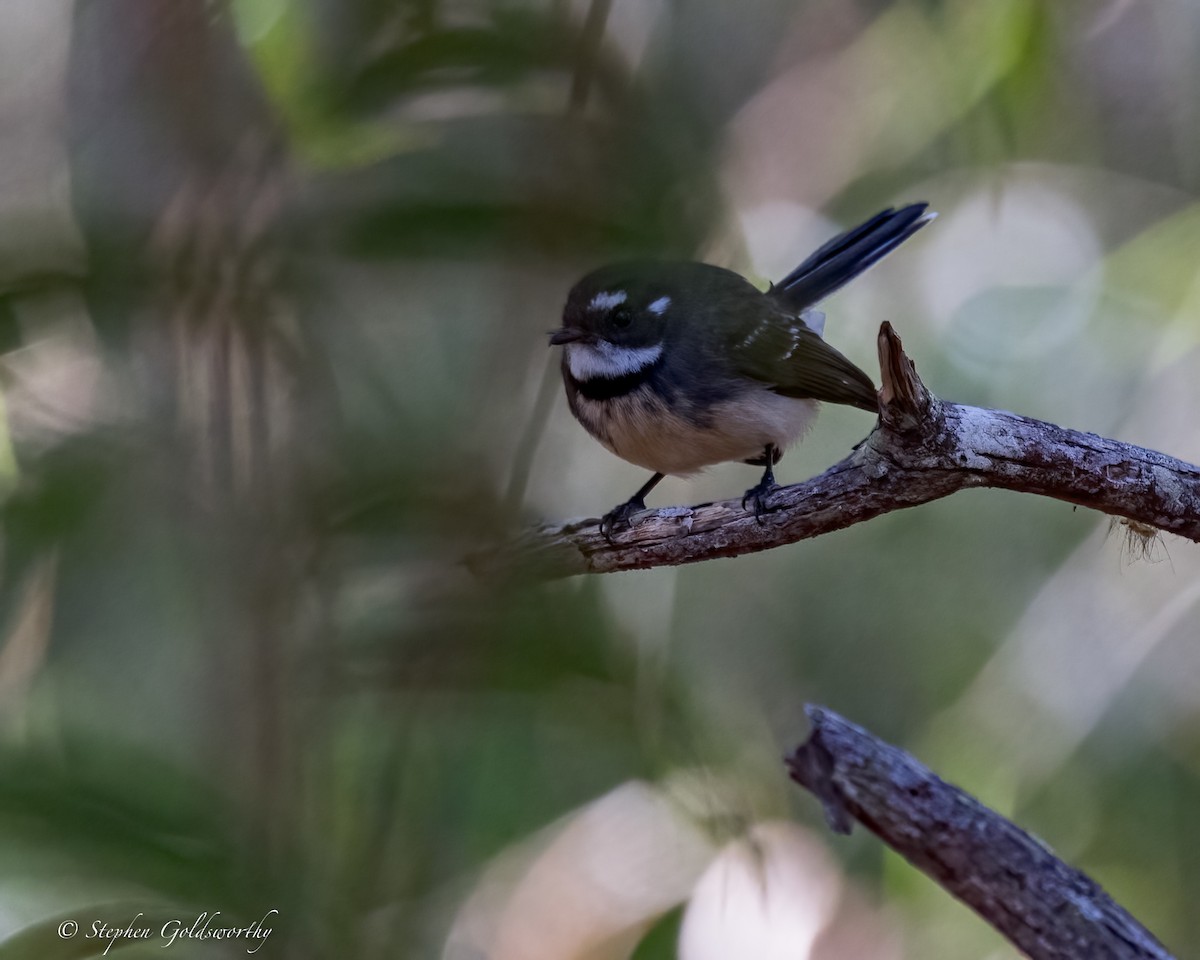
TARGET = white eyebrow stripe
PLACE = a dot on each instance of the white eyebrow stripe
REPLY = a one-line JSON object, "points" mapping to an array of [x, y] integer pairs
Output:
{"points": [[607, 361], [659, 306], [606, 300]]}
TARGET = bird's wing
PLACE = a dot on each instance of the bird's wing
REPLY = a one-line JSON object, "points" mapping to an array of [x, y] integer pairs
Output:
{"points": [[790, 356], [784, 354]]}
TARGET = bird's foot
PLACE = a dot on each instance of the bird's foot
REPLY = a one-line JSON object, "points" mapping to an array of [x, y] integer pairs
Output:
{"points": [[619, 517], [758, 495]]}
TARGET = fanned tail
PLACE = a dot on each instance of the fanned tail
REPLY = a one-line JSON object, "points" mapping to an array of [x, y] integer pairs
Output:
{"points": [[846, 256]]}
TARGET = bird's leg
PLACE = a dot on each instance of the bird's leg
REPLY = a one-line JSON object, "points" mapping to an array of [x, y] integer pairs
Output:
{"points": [[757, 495], [619, 515]]}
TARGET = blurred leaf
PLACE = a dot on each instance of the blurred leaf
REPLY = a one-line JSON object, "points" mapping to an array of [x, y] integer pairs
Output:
{"points": [[1156, 272], [511, 49], [662, 939], [964, 52], [56, 496], [124, 814]]}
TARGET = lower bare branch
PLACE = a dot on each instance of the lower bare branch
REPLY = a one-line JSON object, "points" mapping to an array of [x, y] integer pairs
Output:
{"points": [[922, 449], [1048, 910]]}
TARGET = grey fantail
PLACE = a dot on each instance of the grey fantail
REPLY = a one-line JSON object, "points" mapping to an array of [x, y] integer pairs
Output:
{"points": [[675, 366]]}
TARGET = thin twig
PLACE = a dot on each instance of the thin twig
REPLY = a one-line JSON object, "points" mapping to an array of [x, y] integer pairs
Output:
{"points": [[590, 40], [1048, 910], [531, 436], [922, 449]]}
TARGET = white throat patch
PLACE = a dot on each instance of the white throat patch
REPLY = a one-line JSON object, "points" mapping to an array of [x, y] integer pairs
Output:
{"points": [[607, 361]]}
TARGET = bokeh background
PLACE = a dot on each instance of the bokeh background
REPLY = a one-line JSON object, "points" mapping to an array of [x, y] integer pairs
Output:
{"points": [[274, 282]]}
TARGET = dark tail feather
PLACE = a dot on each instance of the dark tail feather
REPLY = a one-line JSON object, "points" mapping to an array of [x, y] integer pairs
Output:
{"points": [[846, 256]]}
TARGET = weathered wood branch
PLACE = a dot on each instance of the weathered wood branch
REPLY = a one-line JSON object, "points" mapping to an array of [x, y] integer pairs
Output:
{"points": [[922, 449], [1048, 910]]}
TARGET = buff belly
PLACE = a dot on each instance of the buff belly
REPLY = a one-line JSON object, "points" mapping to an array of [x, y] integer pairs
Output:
{"points": [[639, 427]]}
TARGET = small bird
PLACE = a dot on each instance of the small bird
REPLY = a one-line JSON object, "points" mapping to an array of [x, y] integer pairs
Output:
{"points": [[675, 366]]}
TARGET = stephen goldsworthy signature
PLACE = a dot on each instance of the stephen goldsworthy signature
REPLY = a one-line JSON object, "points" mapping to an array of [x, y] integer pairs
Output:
{"points": [[204, 926]]}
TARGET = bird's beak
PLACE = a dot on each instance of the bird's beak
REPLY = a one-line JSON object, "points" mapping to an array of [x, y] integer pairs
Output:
{"points": [[567, 335]]}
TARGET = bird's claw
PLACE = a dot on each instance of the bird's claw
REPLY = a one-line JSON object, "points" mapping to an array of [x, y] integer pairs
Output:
{"points": [[757, 496], [620, 517]]}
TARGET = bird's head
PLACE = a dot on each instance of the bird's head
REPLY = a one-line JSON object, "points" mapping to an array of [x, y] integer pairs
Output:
{"points": [[625, 304], [619, 319]]}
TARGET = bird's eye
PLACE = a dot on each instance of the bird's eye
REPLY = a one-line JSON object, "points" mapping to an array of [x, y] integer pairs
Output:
{"points": [[622, 317]]}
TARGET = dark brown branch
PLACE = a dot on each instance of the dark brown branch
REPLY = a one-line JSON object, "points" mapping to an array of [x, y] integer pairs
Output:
{"points": [[922, 449], [1048, 910]]}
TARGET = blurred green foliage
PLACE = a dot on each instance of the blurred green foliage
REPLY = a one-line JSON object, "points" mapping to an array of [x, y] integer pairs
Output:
{"points": [[294, 381]]}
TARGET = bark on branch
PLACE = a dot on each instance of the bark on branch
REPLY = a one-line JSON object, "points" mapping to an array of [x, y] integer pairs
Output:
{"points": [[1048, 910], [922, 449]]}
